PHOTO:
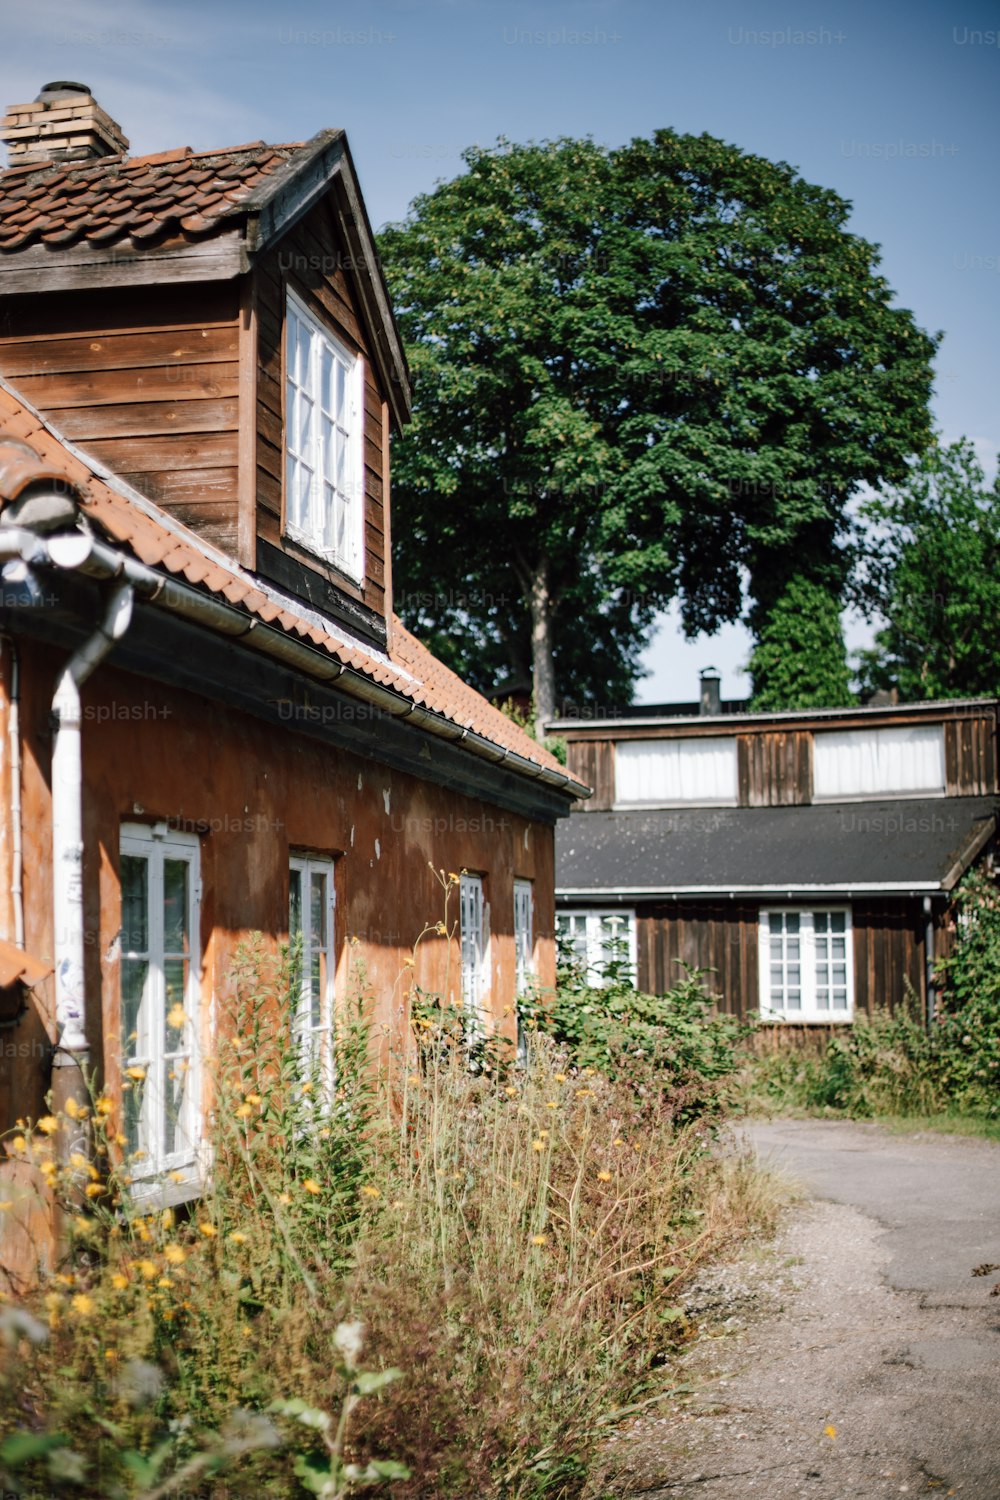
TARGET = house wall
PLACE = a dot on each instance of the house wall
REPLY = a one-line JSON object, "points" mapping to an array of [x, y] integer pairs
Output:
{"points": [[152, 753], [722, 937], [775, 762], [146, 380]]}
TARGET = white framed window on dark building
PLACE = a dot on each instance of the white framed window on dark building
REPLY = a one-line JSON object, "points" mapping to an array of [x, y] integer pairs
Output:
{"points": [[806, 964], [524, 952], [597, 940], [160, 987]]}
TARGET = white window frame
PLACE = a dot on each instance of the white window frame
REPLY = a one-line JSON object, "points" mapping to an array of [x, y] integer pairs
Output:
{"points": [[314, 1038], [810, 946], [524, 934], [629, 771], [306, 475], [524, 953], [474, 949], [829, 744], [595, 923], [156, 845]]}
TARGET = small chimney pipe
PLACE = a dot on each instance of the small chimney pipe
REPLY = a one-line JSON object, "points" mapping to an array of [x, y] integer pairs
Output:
{"points": [[710, 699]]}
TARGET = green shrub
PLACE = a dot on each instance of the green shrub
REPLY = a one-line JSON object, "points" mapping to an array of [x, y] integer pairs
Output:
{"points": [[967, 1035], [675, 1044]]}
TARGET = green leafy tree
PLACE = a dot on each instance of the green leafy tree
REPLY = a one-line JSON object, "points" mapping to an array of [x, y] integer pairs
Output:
{"points": [[799, 659], [638, 374], [932, 573]]}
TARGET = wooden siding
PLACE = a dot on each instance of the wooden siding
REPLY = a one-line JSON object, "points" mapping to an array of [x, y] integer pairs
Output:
{"points": [[775, 768], [311, 260], [888, 953], [147, 382], [718, 936], [593, 763], [722, 937], [970, 756]]}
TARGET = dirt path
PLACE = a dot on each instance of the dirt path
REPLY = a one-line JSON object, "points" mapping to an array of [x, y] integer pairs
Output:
{"points": [[857, 1358]]}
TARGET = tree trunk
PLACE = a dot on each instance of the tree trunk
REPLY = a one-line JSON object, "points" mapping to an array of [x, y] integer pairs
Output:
{"points": [[543, 668]]}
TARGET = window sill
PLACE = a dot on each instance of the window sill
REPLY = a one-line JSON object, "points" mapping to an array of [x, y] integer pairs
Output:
{"points": [[301, 542]]}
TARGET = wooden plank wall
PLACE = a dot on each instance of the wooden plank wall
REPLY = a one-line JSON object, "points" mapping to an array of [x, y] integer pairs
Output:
{"points": [[311, 260], [775, 768], [888, 952], [720, 936], [970, 756], [593, 763], [146, 380]]}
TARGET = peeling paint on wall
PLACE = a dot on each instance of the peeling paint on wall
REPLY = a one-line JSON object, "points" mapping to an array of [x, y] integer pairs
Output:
{"points": [[386, 794]]}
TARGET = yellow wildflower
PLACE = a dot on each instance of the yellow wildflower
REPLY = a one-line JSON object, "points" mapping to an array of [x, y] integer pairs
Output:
{"points": [[539, 1239], [312, 1186], [138, 1074], [584, 1093], [510, 1089], [78, 1160], [104, 1105], [18, 1143], [307, 1087], [237, 1237], [618, 1141], [93, 1190], [72, 1108], [167, 1219], [174, 1255], [111, 1355], [589, 1072], [146, 1268], [243, 1111], [208, 1230], [254, 1099], [119, 1282], [830, 1431], [82, 1305], [538, 1145], [176, 1176], [560, 1077], [604, 1176], [370, 1191], [48, 1125], [285, 1198], [163, 1281], [176, 1016]]}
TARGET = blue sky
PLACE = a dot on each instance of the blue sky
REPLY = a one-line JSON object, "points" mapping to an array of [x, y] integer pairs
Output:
{"points": [[895, 107]]}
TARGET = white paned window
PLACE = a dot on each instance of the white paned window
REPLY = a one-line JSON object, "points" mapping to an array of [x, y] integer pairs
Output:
{"points": [[598, 938], [311, 931], [524, 934], [472, 927], [324, 442], [160, 896], [806, 965], [700, 771], [524, 950], [879, 762]]}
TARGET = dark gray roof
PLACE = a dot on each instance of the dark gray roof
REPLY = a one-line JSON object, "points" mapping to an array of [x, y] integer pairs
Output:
{"points": [[893, 846]]}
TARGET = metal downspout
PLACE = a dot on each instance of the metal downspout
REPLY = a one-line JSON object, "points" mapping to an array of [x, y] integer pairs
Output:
{"points": [[931, 996], [71, 1053]]}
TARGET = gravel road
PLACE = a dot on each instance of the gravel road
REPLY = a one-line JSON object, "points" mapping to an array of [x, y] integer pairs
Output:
{"points": [[858, 1357]]}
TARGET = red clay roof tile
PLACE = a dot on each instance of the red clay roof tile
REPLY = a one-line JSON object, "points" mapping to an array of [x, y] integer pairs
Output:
{"points": [[140, 196], [408, 669]]}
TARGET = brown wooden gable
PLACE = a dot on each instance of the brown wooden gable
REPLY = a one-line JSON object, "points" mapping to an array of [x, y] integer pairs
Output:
{"points": [[144, 380]]}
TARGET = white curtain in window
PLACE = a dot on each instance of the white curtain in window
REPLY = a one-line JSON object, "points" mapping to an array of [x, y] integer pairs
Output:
{"points": [[689, 770], [869, 762]]}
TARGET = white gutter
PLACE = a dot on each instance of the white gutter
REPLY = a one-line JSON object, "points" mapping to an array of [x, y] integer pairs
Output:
{"points": [[843, 888], [67, 835]]}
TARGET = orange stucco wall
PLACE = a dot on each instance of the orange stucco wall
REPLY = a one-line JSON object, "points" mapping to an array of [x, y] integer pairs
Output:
{"points": [[253, 793]]}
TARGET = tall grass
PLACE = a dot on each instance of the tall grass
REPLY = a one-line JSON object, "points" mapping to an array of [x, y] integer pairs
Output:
{"points": [[441, 1279]]}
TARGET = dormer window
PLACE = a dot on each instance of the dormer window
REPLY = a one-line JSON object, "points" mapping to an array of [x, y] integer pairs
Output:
{"points": [[324, 455]]}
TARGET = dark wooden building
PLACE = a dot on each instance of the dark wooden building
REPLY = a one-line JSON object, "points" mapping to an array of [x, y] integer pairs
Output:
{"points": [[806, 859]]}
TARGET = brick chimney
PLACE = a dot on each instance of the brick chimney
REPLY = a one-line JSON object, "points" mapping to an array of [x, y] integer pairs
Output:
{"points": [[65, 123]]}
